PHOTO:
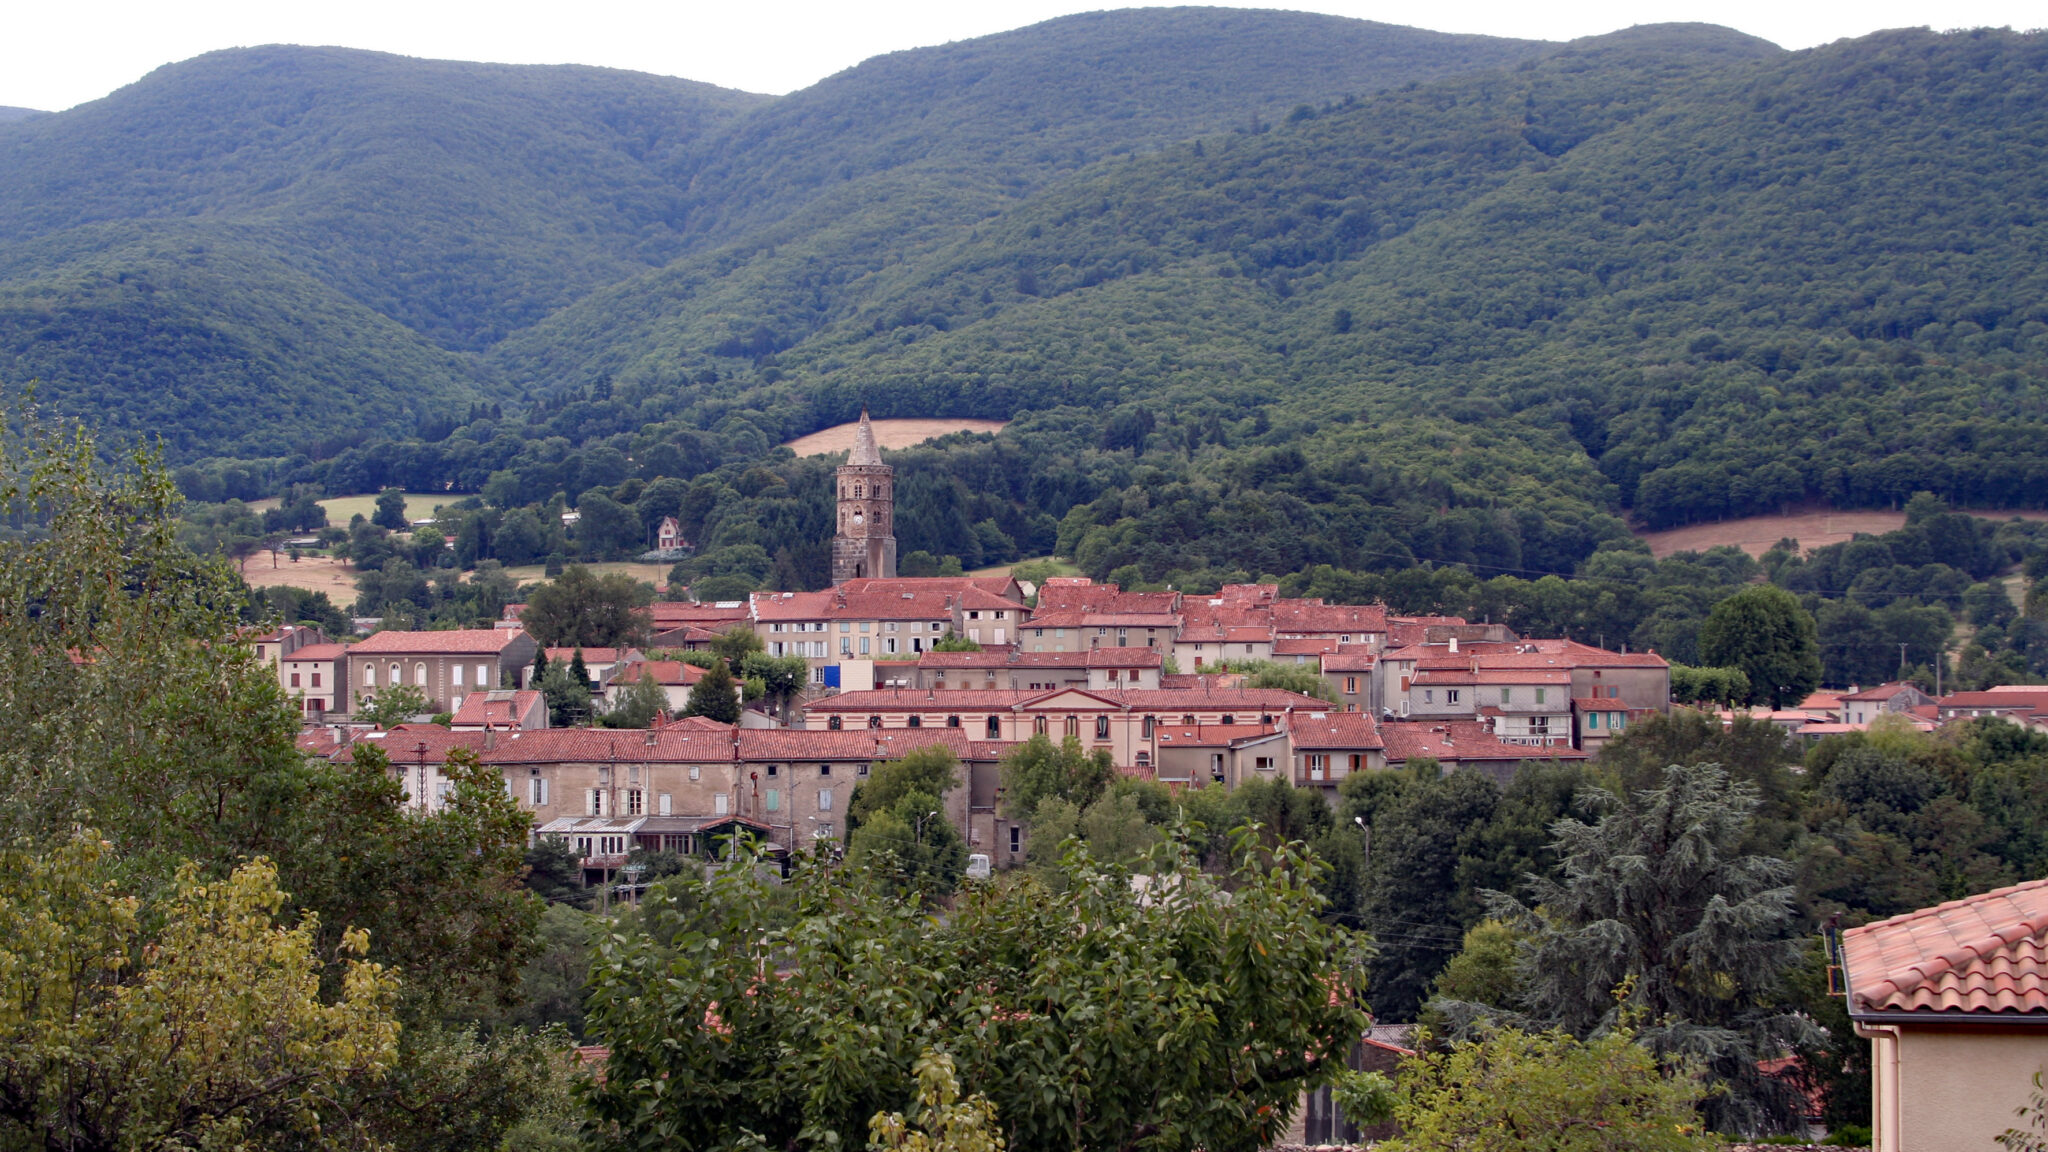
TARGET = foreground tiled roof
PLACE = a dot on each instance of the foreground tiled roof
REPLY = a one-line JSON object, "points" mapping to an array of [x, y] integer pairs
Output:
{"points": [[1983, 955]]}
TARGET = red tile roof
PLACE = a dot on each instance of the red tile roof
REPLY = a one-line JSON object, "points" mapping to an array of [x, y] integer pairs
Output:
{"points": [[1001, 586], [1983, 955], [460, 642], [1209, 735], [590, 655], [668, 614], [1074, 618], [925, 700], [1336, 730], [671, 744], [1881, 692], [1071, 596], [1349, 662], [1459, 740], [1316, 616], [403, 744], [479, 709], [2023, 700], [1007, 656], [858, 743], [1304, 645], [319, 652], [670, 673], [1215, 699]]}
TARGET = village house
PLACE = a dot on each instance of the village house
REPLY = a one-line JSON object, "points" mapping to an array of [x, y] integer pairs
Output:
{"points": [[2026, 705], [600, 664], [276, 644], [879, 619], [675, 677], [1456, 744], [445, 666], [1541, 680], [1860, 708], [316, 675], [1954, 1000], [1349, 671], [1330, 747], [1124, 723], [1199, 755], [504, 709]]}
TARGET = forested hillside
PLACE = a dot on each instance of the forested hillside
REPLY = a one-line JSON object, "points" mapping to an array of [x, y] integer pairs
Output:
{"points": [[424, 207], [1259, 291]]}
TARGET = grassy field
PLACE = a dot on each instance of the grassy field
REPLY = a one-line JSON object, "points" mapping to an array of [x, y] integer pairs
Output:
{"points": [[1065, 569], [313, 573], [418, 505], [888, 434], [1815, 528], [655, 574]]}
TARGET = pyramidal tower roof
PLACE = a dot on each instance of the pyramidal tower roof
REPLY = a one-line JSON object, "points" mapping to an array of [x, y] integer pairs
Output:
{"points": [[864, 449]]}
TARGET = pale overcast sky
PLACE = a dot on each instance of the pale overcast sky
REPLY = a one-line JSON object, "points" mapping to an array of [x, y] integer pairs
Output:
{"points": [[57, 54]]}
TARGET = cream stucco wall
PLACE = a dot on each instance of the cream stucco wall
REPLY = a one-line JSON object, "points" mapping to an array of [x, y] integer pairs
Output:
{"points": [[1958, 1089]]}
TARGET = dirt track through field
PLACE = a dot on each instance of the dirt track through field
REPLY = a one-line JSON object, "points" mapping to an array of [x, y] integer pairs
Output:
{"points": [[888, 434]]}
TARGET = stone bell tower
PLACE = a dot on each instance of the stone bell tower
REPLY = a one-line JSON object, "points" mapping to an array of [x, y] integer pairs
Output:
{"points": [[865, 544]]}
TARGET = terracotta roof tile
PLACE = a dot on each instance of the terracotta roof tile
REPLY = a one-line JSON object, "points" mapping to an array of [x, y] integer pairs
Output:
{"points": [[1982, 955]]}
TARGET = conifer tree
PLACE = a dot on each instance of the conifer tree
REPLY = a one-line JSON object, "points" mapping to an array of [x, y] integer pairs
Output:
{"points": [[1656, 898]]}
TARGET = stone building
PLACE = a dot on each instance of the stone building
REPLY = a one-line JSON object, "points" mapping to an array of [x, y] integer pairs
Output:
{"points": [[865, 543]]}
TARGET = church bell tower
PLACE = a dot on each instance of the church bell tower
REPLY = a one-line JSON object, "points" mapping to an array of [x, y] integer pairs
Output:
{"points": [[865, 544]]}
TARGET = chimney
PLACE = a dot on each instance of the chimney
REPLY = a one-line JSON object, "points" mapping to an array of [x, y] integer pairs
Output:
{"points": [[490, 738]]}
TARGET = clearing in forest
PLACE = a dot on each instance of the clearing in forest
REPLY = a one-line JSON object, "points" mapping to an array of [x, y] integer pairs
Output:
{"points": [[888, 434], [1814, 528]]}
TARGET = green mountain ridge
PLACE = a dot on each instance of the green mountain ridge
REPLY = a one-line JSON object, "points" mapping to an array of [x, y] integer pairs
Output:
{"points": [[464, 202], [1259, 291]]}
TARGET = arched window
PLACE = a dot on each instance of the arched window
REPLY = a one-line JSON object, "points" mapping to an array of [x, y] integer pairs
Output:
{"points": [[1144, 759], [397, 674], [952, 721], [835, 723], [995, 727], [369, 675], [1102, 727], [1074, 726], [419, 674], [874, 721], [1188, 721], [860, 492], [1038, 725], [1150, 721], [917, 721], [1229, 719]]}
